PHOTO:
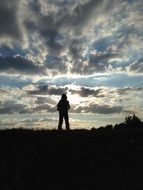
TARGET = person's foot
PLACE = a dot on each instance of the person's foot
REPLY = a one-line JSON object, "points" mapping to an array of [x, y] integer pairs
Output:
{"points": [[67, 129], [59, 129]]}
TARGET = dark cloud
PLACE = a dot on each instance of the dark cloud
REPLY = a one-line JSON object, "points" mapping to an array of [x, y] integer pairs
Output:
{"points": [[55, 64], [9, 26], [81, 91], [11, 107], [47, 26], [85, 92], [94, 63], [19, 65], [99, 109], [52, 24], [137, 67], [43, 100], [3, 91], [54, 90], [42, 108], [11, 51], [47, 90], [75, 48], [122, 91], [100, 58], [102, 44], [83, 10], [63, 22], [51, 38]]}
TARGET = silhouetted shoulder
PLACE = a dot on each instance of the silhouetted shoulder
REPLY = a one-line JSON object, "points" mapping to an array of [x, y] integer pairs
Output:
{"points": [[60, 102], [59, 105], [63, 106]]}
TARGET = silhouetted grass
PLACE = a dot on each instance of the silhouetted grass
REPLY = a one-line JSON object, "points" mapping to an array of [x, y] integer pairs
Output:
{"points": [[104, 158]]}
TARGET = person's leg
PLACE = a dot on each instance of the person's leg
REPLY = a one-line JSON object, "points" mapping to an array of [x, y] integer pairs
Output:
{"points": [[66, 117], [60, 121]]}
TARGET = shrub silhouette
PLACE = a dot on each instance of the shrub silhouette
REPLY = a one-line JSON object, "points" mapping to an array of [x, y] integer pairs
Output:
{"points": [[133, 121], [120, 126], [108, 127]]}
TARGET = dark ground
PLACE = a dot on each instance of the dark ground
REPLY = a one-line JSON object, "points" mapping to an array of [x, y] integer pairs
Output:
{"points": [[47, 160]]}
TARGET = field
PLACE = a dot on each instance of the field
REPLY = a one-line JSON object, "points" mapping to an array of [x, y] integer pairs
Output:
{"points": [[78, 159]]}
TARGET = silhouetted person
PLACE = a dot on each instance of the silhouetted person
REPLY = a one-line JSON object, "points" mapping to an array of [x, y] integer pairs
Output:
{"points": [[63, 107]]}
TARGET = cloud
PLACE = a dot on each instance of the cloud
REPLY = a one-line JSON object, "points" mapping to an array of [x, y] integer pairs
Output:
{"points": [[83, 10], [8, 19], [59, 22], [101, 58], [98, 109], [43, 100], [47, 25], [136, 67], [55, 90], [56, 65], [88, 48], [47, 90], [95, 63], [3, 91], [102, 44], [128, 90], [7, 51], [19, 65], [11, 107], [93, 100], [76, 48], [85, 92], [73, 28], [95, 81], [42, 108], [7, 80]]}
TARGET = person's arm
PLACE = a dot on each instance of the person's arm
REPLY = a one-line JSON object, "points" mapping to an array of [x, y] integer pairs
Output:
{"points": [[58, 106], [68, 105]]}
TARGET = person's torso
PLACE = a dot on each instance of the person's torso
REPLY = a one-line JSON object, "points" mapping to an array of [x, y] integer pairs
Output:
{"points": [[63, 106]]}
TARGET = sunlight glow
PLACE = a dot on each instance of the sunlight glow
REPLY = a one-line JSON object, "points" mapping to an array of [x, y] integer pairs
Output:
{"points": [[74, 98]]}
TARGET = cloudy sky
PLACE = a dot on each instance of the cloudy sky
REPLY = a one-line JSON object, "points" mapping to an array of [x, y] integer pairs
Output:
{"points": [[90, 49]]}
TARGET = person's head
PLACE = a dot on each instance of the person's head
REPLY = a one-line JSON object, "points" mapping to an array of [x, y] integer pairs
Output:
{"points": [[64, 97]]}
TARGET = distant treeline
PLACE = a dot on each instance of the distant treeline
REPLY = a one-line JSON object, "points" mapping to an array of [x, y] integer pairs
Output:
{"points": [[130, 122]]}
